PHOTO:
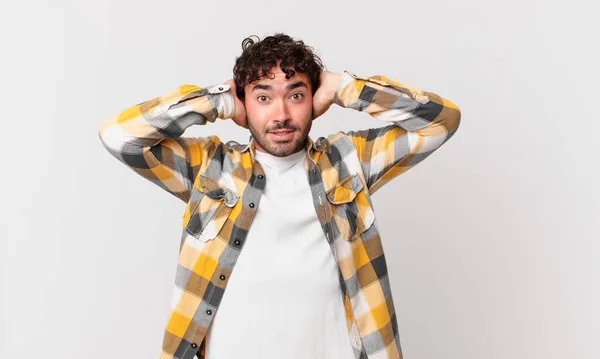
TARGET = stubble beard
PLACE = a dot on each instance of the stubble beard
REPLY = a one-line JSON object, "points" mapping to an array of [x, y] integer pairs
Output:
{"points": [[280, 149]]}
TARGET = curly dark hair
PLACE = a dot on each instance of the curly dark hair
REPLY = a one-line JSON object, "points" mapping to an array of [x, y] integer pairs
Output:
{"points": [[258, 57]]}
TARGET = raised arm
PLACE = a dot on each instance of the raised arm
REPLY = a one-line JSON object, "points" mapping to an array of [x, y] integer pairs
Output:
{"points": [[419, 123], [146, 137]]}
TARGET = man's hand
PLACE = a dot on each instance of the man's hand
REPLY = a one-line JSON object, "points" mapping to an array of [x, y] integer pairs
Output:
{"points": [[323, 98], [239, 116]]}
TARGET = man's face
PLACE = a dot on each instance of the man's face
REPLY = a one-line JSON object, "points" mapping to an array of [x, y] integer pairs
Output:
{"points": [[279, 112]]}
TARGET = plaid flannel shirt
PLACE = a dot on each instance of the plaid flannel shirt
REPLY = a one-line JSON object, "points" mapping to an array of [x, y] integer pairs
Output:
{"points": [[221, 184]]}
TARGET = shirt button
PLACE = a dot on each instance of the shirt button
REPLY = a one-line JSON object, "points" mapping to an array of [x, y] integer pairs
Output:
{"points": [[209, 312], [251, 205], [236, 242], [193, 345], [222, 277], [261, 176]]}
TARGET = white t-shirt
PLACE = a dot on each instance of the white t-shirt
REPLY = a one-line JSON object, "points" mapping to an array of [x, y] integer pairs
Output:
{"points": [[283, 299]]}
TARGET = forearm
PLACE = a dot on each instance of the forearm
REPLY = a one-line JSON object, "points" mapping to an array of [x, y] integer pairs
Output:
{"points": [[405, 106], [148, 123]]}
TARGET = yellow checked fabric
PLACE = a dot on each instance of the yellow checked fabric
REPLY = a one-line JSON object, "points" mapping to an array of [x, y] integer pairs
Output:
{"points": [[222, 186]]}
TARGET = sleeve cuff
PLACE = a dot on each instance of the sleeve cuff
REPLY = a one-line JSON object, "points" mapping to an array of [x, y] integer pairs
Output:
{"points": [[348, 89], [222, 99]]}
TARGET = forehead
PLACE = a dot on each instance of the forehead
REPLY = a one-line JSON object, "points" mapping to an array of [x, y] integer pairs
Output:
{"points": [[277, 77]]}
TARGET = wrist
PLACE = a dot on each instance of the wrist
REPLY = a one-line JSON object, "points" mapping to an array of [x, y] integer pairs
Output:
{"points": [[333, 82]]}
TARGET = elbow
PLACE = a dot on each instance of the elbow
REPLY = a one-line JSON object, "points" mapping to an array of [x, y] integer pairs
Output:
{"points": [[452, 117], [108, 135], [453, 123], [102, 132]]}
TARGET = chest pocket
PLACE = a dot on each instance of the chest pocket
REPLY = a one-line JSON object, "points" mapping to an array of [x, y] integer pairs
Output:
{"points": [[208, 210], [352, 211]]}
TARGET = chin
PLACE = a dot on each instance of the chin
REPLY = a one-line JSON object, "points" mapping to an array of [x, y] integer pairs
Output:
{"points": [[284, 149], [280, 151]]}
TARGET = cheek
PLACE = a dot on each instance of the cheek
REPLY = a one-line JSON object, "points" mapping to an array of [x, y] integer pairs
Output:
{"points": [[257, 115], [303, 113]]}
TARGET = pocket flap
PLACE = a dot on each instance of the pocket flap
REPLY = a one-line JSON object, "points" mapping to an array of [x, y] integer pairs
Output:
{"points": [[214, 190], [346, 190], [209, 207]]}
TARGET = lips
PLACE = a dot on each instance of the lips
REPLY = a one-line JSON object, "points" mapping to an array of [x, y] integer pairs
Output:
{"points": [[282, 134]]}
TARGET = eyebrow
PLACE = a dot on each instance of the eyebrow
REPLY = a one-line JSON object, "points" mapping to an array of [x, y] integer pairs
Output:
{"points": [[291, 86]]}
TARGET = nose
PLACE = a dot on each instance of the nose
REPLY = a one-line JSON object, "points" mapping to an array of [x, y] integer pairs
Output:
{"points": [[282, 112]]}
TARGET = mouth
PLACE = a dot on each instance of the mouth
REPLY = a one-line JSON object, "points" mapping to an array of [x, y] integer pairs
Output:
{"points": [[284, 135]]}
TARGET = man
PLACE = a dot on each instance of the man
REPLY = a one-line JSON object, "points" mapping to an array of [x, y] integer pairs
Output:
{"points": [[293, 217]]}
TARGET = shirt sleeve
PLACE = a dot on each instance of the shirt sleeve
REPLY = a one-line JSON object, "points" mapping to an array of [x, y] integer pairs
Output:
{"points": [[419, 122], [146, 137]]}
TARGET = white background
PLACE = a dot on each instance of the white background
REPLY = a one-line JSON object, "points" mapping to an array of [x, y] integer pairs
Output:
{"points": [[491, 242]]}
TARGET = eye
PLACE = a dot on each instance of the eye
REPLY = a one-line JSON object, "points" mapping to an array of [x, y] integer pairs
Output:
{"points": [[297, 96], [262, 98]]}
